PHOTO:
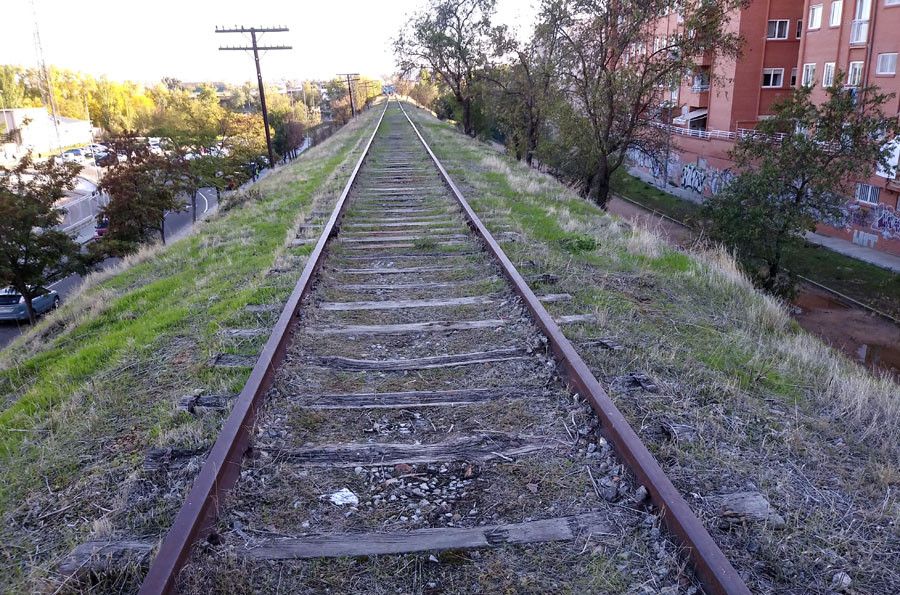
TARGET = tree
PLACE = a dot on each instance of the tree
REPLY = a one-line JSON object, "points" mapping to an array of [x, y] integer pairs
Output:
{"points": [[141, 191], [614, 68], [31, 249], [526, 88], [425, 91], [452, 39], [798, 170]]}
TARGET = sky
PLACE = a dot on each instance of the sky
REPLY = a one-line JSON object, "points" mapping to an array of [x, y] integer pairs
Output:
{"points": [[146, 40]]}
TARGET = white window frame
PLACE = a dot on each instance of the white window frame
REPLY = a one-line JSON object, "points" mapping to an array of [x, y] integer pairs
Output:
{"points": [[782, 26], [815, 16], [808, 78], [828, 74], [773, 73], [891, 57], [867, 193], [837, 11], [863, 10], [859, 27], [794, 75], [799, 28], [854, 74], [892, 2]]}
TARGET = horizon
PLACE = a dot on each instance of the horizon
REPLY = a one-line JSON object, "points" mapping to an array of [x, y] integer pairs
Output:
{"points": [[359, 44]]}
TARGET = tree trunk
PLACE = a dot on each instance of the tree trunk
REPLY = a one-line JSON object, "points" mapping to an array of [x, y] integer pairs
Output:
{"points": [[32, 318], [162, 230], [531, 141], [194, 206], [468, 125], [598, 187]]}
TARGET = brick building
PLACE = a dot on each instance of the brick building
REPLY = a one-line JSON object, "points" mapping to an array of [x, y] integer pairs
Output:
{"points": [[726, 98], [860, 40]]}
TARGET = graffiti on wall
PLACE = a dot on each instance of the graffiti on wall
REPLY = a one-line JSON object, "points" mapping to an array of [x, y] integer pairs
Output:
{"points": [[881, 219], [701, 178], [886, 221], [655, 165], [693, 178]]}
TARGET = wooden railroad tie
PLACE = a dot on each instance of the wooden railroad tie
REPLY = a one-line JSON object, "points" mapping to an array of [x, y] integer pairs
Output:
{"points": [[412, 399], [480, 448]]}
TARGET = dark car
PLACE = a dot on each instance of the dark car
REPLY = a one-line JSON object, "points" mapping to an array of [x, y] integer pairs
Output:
{"points": [[102, 227], [106, 159]]}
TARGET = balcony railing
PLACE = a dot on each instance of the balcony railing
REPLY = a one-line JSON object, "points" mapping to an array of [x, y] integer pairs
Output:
{"points": [[859, 31], [717, 134], [700, 87]]}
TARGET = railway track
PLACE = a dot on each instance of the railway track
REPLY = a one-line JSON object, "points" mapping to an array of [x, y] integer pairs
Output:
{"points": [[416, 405]]}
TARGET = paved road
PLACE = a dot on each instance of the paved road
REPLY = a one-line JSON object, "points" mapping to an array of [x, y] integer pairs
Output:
{"points": [[177, 225]]}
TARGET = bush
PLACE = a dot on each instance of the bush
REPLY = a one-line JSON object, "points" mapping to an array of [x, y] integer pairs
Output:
{"points": [[576, 243]]}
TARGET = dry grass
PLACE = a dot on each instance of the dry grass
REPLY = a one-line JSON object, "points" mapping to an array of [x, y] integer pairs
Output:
{"points": [[759, 403]]}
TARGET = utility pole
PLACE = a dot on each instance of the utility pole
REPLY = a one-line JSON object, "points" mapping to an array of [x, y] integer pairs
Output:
{"points": [[256, 49], [355, 78]]}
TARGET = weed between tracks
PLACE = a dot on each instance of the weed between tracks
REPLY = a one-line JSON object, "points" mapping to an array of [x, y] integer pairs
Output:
{"points": [[94, 385], [745, 400]]}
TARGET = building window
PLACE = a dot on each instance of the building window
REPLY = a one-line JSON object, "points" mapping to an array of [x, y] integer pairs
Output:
{"points": [[837, 9], [828, 74], [777, 29], [887, 64], [794, 77], [868, 193], [773, 77], [809, 75], [892, 2], [799, 28], [854, 74], [815, 16], [859, 28]]}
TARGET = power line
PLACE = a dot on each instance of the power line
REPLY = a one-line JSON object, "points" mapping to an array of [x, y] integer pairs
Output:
{"points": [[256, 49]]}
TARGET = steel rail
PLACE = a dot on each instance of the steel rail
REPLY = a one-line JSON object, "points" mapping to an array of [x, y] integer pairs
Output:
{"points": [[712, 567], [222, 467]]}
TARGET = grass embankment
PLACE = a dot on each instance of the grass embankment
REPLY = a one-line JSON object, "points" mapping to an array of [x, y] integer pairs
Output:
{"points": [[864, 282], [94, 385], [746, 401]]}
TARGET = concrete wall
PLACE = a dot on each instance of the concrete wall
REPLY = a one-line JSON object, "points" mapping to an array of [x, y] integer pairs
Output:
{"points": [[699, 168]]}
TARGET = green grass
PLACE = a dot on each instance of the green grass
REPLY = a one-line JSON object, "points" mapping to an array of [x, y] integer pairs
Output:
{"points": [[89, 389], [867, 283], [653, 198]]}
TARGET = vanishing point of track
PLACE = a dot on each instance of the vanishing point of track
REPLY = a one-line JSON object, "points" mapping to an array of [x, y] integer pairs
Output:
{"points": [[412, 306]]}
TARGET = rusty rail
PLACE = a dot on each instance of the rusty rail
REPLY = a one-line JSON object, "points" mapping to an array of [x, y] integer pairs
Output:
{"points": [[222, 467], [715, 571]]}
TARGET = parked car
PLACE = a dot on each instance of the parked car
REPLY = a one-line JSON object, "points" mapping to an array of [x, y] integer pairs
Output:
{"points": [[12, 304], [106, 159], [73, 156], [102, 227]]}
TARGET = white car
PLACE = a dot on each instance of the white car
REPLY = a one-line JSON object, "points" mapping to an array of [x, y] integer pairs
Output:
{"points": [[72, 156]]}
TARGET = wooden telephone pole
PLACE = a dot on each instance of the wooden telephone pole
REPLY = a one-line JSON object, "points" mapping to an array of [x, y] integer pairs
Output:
{"points": [[351, 78], [256, 49]]}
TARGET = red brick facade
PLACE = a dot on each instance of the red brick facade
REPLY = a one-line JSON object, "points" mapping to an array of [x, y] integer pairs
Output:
{"points": [[725, 97]]}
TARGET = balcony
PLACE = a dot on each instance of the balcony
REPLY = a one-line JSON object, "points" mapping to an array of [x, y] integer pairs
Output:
{"points": [[859, 32]]}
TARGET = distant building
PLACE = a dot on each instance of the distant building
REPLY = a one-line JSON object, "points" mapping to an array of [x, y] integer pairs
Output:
{"points": [[25, 129], [787, 43]]}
